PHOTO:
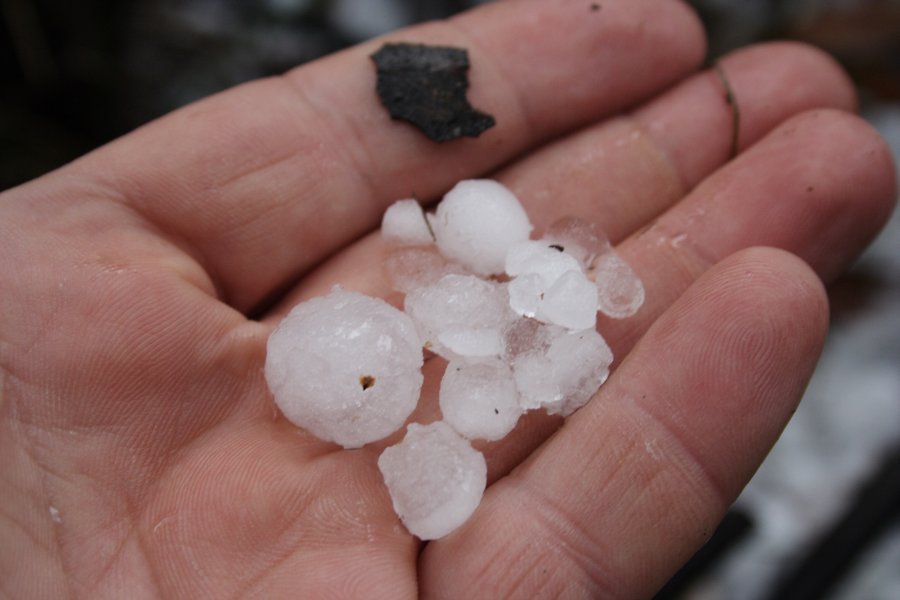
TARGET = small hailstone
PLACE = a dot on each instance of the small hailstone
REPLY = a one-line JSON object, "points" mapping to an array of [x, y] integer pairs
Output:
{"points": [[480, 400], [409, 268], [582, 361], [460, 315], [345, 367], [564, 377], [435, 479], [539, 258], [476, 223], [549, 285], [571, 302], [582, 239], [404, 223], [525, 293], [620, 290]]}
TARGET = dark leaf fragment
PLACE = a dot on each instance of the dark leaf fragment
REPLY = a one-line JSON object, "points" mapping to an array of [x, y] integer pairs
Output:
{"points": [[426, 86]]}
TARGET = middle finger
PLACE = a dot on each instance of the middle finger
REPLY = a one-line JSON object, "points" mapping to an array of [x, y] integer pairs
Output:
{"points": [[622, 173]]}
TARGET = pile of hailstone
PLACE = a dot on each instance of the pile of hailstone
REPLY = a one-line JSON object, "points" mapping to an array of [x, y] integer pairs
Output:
{"points": [[514, 317]]}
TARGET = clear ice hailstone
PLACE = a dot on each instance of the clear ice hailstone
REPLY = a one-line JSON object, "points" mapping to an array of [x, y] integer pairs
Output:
{"points": [[460, 316], [345, 367], [582, 239], [409, 268], [620, 290], [435, 479], [480, 400], [404, 223], [476, 223], [528, 335], [565, 376]]}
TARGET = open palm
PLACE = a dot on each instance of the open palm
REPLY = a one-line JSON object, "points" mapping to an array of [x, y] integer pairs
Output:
{"points": [[141, 454]]}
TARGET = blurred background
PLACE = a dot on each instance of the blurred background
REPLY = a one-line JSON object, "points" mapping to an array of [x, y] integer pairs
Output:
{"points": [[821, 519]]}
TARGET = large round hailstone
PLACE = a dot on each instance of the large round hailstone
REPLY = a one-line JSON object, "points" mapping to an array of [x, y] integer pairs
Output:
{"points": [[476, 223], [435, 479], [480, 400], [460, 316], [345, 367], [564, 377]]}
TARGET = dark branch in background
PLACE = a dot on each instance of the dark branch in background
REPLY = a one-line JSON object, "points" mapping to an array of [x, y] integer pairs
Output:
{"points": [[877, 506]]}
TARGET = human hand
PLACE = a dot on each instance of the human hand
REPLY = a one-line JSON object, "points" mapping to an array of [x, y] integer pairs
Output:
{"points": [[141, 452]]}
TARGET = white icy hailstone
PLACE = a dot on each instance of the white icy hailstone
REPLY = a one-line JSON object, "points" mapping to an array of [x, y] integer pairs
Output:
{"points": [[435, 479], [549, 285], [345, 367], [565, 376], [539, 258], [476, 223], [620, 290], [404, 223], [525, 293], [480, 400], [460, 316], [571, 302]]}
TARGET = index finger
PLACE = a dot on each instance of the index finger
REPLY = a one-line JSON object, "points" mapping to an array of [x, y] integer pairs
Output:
{"points": [[263, 181]]}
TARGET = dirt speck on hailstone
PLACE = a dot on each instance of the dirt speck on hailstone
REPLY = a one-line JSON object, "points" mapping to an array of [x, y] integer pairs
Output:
{"points": [[426, 86]]}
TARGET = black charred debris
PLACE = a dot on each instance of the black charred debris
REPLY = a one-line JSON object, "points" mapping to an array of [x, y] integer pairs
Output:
{"points": [[426, 86]]}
